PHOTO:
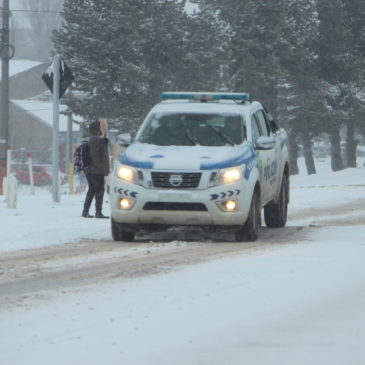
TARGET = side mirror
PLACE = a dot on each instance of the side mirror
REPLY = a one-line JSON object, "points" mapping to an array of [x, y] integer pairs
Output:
{"points": [[265, 143], [124, 139]]}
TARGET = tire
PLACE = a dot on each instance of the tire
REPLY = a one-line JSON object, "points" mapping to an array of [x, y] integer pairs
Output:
{"points": [[250, 230], [119, 234], [275, 214]]}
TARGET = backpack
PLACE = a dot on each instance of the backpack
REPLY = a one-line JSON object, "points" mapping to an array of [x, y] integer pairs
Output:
{"points": [[81, 157]]}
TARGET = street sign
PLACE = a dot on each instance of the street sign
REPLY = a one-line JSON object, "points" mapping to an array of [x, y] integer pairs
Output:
{"points": [[66, 77]]}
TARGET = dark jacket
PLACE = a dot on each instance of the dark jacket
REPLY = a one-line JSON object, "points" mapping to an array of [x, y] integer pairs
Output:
{"points": [[99, 156]]}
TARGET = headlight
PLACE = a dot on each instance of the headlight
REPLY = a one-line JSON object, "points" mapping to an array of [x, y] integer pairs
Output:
{"points": [[126, 173], [230, 176]]}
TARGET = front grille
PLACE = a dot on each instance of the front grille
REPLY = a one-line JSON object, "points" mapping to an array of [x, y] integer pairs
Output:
{"points": [[188, 180], [197, 207]]}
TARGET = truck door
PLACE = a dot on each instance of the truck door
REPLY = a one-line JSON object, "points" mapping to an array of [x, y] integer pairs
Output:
{"points": [[267, 159]]}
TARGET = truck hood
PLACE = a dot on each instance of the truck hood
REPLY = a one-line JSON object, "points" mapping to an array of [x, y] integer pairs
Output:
{"points": [[142, 155]]}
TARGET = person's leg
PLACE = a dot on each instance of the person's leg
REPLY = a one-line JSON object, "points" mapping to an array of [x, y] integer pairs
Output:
{"points": [[89, 195], [99, 196]]}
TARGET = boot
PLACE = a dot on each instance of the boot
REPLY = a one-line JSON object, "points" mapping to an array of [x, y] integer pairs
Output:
{"points": [[101, 215], [99, 195], [87, 215], [87, 204]]}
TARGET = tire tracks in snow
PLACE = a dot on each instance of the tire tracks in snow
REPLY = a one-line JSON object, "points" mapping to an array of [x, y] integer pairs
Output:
{"points": [[48, 271], [61, 268]]}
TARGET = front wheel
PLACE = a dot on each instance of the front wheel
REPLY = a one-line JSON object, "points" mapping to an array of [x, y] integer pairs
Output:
{"points": [[275, 214], [119, 234], [250, 230]]}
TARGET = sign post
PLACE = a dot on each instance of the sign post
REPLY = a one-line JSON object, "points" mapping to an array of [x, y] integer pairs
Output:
{"points": [[58, 77], [31, 177], [55, 132]]}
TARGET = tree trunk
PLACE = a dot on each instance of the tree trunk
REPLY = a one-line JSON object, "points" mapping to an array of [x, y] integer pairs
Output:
{"points": [[293, 156], [336, 159], [351, 144], [308, 155]]}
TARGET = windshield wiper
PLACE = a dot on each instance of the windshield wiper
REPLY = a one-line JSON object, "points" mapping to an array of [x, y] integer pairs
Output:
{"points": [[221, 134], [190, 136]]}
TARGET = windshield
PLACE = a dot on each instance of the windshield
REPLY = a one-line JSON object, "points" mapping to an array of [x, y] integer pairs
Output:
{"points": [[186, 129]]}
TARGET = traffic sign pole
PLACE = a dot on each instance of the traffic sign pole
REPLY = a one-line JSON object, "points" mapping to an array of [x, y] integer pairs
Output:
{"points": [[58, 77]]}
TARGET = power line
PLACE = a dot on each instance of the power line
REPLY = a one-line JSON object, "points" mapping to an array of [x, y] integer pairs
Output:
{"points": [[35, 11]]}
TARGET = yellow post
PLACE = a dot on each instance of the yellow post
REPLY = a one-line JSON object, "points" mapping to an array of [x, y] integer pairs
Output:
{"points": [[71, 178]]}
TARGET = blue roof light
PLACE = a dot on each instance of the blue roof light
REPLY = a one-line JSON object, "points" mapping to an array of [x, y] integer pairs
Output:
{"points": [[202, 96]]}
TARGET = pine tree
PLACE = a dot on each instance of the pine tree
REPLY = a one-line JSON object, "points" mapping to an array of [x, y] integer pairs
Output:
{"points": [[125, 52], [355, 15], [333, 68], [270, 46], [301, 33], [253, 42], [315, 46], [342, 68]]}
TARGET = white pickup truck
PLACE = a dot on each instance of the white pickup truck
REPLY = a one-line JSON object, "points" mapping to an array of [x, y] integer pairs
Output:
{"points": [[209, 160]]}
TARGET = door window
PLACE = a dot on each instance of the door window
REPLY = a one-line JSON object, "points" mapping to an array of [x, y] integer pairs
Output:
{"points": [[264, 126], [255, 129]]}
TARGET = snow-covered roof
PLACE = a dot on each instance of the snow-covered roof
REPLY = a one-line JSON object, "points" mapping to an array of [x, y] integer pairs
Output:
{"points": [[18, 66], [44, 111]]}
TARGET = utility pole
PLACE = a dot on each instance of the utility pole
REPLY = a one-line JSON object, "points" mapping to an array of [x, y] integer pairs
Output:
{"points": [[55, 131], [4, 96]]}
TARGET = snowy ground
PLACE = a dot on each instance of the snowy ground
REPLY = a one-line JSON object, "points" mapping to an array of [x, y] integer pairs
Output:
{"points": [[300, 303], [38, 221]]}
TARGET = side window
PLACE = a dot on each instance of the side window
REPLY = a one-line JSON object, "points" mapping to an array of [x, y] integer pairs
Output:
{"points": [[264, 125], [254, 129]]}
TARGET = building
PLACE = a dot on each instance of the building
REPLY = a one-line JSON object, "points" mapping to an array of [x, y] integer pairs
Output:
{"points": [[31, 113]]}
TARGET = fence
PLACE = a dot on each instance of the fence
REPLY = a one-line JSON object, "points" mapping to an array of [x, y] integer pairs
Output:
{"points": [[39, 173]]}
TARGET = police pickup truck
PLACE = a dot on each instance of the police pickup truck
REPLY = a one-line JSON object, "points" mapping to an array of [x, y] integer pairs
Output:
{"points": [[209, 160]]}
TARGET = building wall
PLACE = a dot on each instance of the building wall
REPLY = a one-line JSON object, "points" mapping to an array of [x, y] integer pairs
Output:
{"points": [[28, 132]]}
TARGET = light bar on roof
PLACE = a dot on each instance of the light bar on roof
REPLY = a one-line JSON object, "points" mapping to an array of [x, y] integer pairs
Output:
{"points": [[202, 96]]}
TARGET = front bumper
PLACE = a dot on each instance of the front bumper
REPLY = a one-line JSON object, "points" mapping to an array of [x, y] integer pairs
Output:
{"points": [[172, 207]]}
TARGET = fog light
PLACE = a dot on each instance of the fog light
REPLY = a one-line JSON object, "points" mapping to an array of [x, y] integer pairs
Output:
{"points": [[231, 205], [126, 203], [228, 205]]}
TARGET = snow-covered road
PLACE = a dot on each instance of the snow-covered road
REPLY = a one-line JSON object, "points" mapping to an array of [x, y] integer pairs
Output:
{"points": [[300, 303], [295, 296]]}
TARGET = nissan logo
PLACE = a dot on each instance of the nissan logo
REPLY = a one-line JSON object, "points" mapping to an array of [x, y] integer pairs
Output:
{"points": [[175, 180]]}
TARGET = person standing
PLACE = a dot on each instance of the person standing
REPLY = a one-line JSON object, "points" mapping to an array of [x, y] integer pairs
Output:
{"points": [[97, 169]]}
